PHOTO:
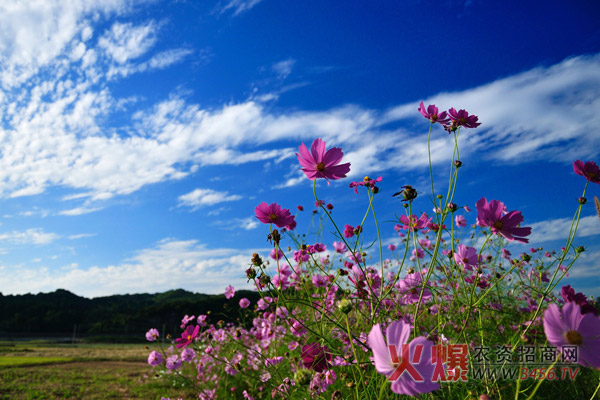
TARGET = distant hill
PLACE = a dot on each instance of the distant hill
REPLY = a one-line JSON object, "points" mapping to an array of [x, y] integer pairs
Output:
{"points": [[60, 313]]}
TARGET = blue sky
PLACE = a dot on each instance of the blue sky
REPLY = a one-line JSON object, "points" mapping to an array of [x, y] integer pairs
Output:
{"points": [[137, 137]]}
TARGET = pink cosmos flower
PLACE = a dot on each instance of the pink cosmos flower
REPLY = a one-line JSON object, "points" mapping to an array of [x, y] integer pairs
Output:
{"points": [[396, 359], [366, 182], [315, 356], [432, 113], [461, 221], [466, 257], [569, 327], [409, 289], [322, 163], [229, 292], [244, 303], [188, 336], [412, 223], [568, 294], [152, 335], [392, 247], [589, 170], [462, 118], [417, 253], [276, 253], [491, 215], [155, 358], [340, 247], [274, 214], [173, 362]]}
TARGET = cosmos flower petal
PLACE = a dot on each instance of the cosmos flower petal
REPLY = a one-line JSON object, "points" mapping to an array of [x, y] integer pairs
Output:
{"points": [[381, 353], [398, 333], [553, 326], [406, 384], [317, 149]]}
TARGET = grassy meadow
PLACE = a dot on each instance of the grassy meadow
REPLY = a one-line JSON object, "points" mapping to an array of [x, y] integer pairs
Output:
{"points": [[46, 370]]}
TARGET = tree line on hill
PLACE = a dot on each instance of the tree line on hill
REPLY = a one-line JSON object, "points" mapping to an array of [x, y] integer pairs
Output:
{"points": [[62, 313]]}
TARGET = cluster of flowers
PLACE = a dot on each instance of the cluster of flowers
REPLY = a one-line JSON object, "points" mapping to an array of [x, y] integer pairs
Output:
{"points": [[336, 322]]}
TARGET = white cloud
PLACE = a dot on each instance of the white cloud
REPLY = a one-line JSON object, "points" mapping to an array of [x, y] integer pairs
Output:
{"points": [[554, 229], [79, 211], [284, 68], [170, 264], [81, 236], [125, 42], [205, 197], [35, 32], [55, 131], [29, 236], [237, 6]]}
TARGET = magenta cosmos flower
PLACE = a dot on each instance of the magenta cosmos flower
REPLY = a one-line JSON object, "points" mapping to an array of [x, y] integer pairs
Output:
{"points": [[507, 225], [466, 257], [462, 118], [315, 356], [569, 327], [432, 113], [322, 163], [188, 336], [588, 170], [394, 359], [274, 214], [412, 223]]}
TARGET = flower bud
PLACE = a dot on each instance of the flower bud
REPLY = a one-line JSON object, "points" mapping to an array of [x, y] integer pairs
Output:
{"points": [[302, 377], [345, 306], [582, 200], [458, 163]]}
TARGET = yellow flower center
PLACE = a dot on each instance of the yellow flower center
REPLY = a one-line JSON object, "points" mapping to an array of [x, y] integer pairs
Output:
{"points": [[574, 337], [272, 217], [320, 167], [498, 224]]}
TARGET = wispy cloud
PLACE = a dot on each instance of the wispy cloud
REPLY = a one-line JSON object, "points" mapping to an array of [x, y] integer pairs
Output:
{"points": [[205, 197], [237, 7], [54, 130], [170, 264], [29, 236], [283, 68], [554, 229]]}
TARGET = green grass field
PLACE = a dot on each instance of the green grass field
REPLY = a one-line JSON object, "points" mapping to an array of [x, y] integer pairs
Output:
{"points": [[43, 370]]}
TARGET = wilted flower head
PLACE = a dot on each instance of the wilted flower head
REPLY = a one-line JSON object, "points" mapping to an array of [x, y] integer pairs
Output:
{"points": [[274, 214], [322, 163], [588, 170], [507, 225]]}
